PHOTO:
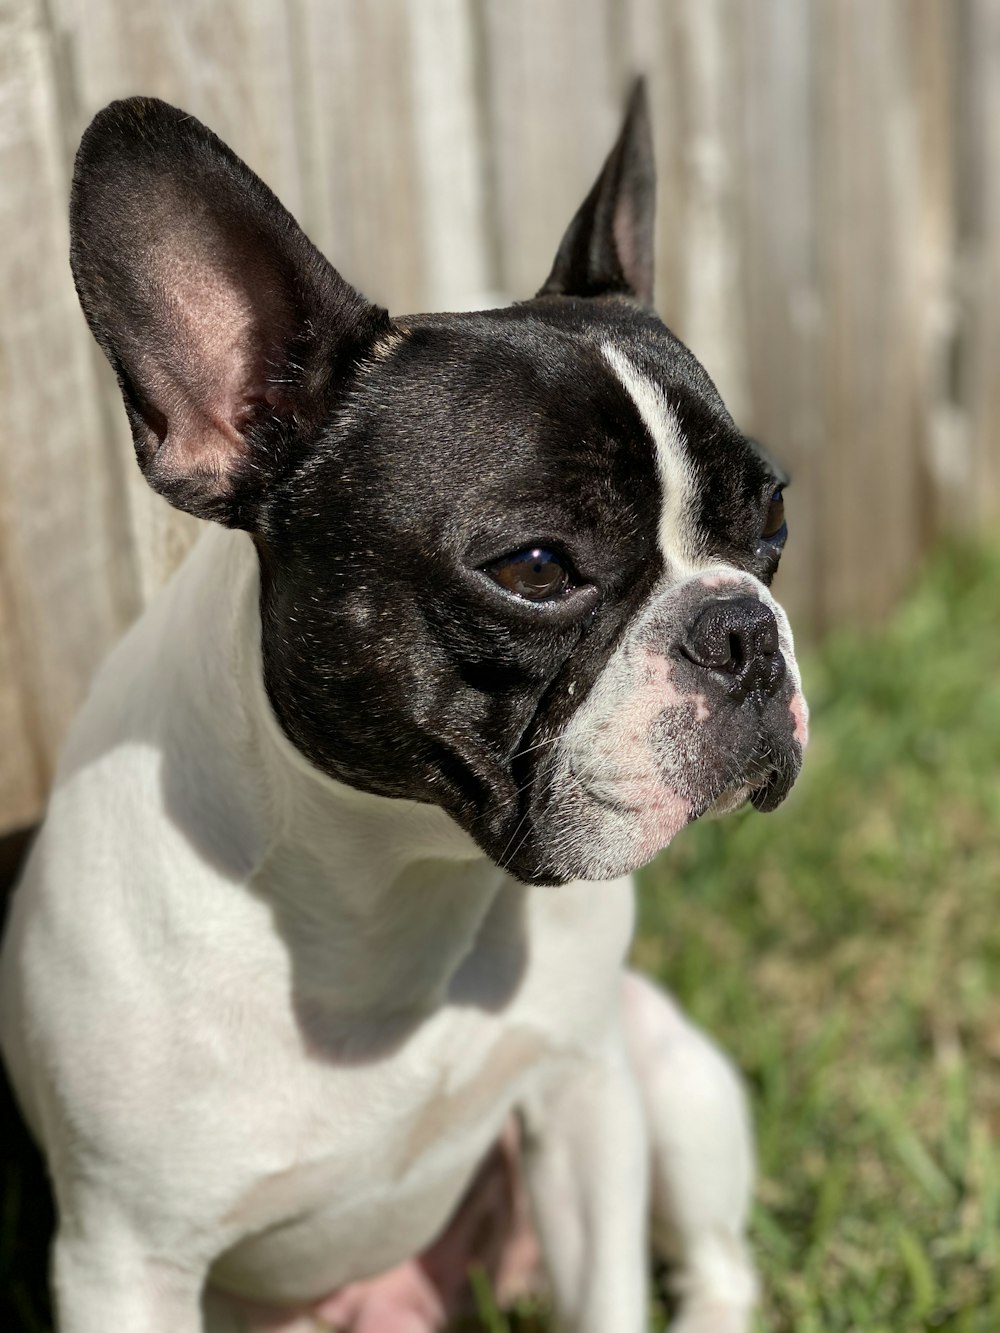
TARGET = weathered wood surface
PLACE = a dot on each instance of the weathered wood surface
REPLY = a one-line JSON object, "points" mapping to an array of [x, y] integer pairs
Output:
{"points": [[828, 243]]}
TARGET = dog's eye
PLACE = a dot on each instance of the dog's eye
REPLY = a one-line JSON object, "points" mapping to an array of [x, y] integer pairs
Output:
{"points": [[537, 575], [775, 521]]}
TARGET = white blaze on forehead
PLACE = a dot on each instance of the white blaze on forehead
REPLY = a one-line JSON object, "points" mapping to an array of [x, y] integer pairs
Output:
{"points": [[678, 536]]}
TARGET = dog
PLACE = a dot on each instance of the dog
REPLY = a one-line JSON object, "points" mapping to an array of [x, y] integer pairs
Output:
{"points": [[334, 887]]}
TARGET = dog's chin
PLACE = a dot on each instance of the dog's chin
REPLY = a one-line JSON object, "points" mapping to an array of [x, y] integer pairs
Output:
{"points": [[597, 838]]}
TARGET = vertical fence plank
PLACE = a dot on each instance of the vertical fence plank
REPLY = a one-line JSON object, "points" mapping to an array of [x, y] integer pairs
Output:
{"points": [[65, 597], [449, 146], [554, 108], [870, 192], [24, 768], [942, 435], [699, 228], [354, 63], [780, 279], [978, 479]]}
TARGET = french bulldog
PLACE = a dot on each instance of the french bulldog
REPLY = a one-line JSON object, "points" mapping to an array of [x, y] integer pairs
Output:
{"points": [[334, 887]]}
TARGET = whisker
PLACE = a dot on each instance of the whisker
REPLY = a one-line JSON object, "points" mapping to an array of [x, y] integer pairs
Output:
{"points": [[551, 740], [507, 855]]}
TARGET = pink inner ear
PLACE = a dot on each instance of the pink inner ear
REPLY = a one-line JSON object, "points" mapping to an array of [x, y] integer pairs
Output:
{"points": [[630, 246], [225, 322]]}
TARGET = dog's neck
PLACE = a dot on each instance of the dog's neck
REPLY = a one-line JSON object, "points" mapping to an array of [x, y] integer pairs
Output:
{"points": [[400, 880]]}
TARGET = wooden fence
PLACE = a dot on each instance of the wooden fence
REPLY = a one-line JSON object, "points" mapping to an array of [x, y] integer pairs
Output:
{"points": [[829, 245]]}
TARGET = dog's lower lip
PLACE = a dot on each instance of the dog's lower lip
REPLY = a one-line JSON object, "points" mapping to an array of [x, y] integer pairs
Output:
{"points": [[767, 795]]}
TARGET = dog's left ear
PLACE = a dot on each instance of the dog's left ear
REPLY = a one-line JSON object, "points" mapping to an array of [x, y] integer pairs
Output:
{"points": [[230, 334], [608, 246]]}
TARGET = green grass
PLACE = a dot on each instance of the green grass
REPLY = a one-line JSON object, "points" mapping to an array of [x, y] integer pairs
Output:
{"points": [[846, 951]]}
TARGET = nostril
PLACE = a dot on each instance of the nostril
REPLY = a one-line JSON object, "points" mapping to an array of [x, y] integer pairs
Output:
{"points": [[737, 650], [737, 638]]}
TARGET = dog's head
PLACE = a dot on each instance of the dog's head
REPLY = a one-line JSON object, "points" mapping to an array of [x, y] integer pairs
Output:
{"points": [[515, 563]]}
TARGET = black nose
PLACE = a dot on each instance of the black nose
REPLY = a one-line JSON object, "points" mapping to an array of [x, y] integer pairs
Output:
{"points": [[738, 638]]}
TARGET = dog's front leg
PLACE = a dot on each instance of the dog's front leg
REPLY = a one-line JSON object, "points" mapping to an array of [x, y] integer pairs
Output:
{"points": [[107, 1281], [701, 1154], [587, 1169]]}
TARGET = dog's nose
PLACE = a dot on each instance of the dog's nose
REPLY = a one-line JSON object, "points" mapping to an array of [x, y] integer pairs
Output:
{"points": [[737, 638]]}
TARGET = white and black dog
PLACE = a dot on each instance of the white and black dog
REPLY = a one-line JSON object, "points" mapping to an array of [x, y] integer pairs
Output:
{"points": [[484, 619]]}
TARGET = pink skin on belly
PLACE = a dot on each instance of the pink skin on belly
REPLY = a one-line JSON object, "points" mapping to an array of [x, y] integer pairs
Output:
{"points": [[490, 1230]]}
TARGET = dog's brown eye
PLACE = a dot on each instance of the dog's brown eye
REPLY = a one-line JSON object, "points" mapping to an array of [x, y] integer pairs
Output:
{"points": [[775, 520], [537, 575]]}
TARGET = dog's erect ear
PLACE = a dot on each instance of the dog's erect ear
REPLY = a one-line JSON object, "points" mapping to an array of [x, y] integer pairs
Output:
{"points": [[609, 244], [228, 330]]}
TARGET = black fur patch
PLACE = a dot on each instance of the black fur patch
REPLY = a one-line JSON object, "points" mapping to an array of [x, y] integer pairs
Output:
{"points": [[392, 661]]}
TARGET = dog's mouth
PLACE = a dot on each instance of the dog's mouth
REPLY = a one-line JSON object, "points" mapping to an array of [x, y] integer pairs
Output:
{"points": [[768, 794], [764, 785], [765, 795], [601, 808]]}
